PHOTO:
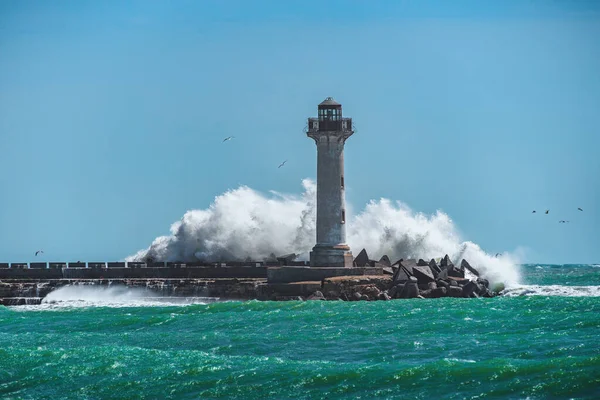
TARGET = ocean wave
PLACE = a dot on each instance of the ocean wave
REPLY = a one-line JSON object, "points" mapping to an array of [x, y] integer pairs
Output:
{"points": [[551, 290]]}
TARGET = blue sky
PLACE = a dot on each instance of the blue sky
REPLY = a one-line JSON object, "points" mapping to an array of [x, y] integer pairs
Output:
{"points": [[112, 114]]}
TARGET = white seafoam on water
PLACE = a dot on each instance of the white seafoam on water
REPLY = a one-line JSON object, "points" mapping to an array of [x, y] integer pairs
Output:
{"points": [[244, 224]]}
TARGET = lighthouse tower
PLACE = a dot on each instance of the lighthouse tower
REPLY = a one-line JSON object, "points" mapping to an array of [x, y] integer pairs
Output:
{"points": [[330, 131]]}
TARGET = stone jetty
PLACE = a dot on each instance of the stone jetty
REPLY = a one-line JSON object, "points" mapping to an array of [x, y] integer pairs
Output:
{"points": [[280, 278]]}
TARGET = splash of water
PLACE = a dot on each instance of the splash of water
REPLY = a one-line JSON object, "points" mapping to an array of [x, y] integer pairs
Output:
{"points": [[245, 224]]}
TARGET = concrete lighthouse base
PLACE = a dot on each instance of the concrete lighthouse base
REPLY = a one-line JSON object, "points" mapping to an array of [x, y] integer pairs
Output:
{"points": [[338, 256]]}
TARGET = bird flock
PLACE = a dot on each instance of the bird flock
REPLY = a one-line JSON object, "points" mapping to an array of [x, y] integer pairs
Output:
{"points": [[228, 138], [562, 221]]}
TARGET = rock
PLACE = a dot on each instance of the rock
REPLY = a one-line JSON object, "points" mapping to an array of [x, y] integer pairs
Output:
{"points": [[422, 263], [465, 265], [454, 291], [388, 270], [426, 294], [443, 274], [409, 264], [452, 282], [439, 292], [468, 289], [456, 272], [432, 285], [402, 274], [410, 291], [423, 286], [434, 267], [316, 296], [395, 291], [365, 297], [331, 295], [442, 283], [483, 282], [423, 274], [356, 296], [412, 279], [371, 291], [362, 259], [446, 262], [385, 260], [383, 296]]}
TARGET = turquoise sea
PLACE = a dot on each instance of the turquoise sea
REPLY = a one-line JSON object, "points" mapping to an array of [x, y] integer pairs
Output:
{"points": [[540, 341]]}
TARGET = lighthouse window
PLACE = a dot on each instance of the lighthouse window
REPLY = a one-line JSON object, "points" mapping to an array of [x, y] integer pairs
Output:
{"points": [[343, 216], [342, 181]]}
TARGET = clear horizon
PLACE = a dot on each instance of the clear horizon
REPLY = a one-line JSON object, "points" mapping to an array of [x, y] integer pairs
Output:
{"points": [[112, 116]]}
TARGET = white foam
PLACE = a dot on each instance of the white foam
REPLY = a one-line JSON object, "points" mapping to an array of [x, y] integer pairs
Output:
{"points": [[113, 296], [551, 290], [245, 224]]}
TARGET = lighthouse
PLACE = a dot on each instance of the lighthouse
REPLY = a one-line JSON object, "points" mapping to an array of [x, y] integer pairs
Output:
{"points": [[330, 131]]}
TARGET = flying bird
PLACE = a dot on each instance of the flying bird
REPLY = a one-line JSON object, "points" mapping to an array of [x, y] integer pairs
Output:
{"points": [[498, 254], [228, 138], [533, 212], [38, 252], [580, 209], [282, 164], [547, 211], [562, 222]]}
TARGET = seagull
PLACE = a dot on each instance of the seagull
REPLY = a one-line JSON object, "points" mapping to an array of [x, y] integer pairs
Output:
{"points": [[580, 209], [547, 211], [562, 222], [533, 212], [282, 164], [39, 251], [228, 138], [498, 254]]}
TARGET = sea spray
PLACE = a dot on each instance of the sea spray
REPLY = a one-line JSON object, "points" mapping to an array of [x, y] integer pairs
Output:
{"points": [[245, 224]]}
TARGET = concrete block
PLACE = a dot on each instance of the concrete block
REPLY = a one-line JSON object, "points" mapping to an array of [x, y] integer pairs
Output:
{"points": [[115, 265], [305, 289], [18, 265], [38, 265], [96, 265], [4, 265], [76, 265], [57, 265], [136, 264]]}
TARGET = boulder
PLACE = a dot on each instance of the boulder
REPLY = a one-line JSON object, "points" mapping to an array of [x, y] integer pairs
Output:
{"points": [[469, 289], [316, 296], [483, 282], [432, 285], [456, 272], [395, 291], [385, 260], [443, 274], [452, 282], [362, 259], [356, 296], [402, 274], [371, 291], [465, 265], [454, 291], [426, 294], [434, 267], [423, 274], [410, 291], [409, 264], [388, 270], [446, 262], [439, 292], [383, 296], [442, 283], [365, 297], [422, 263]]}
